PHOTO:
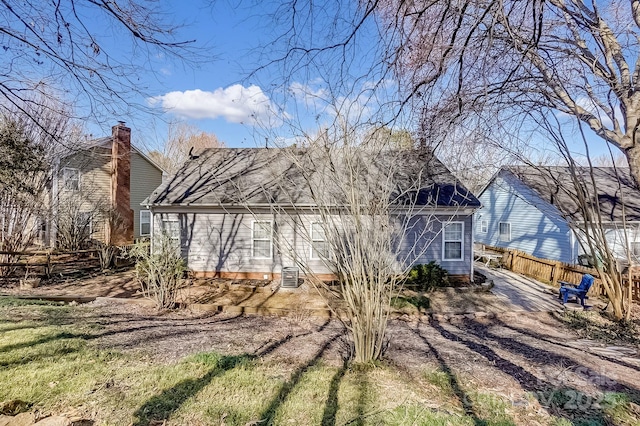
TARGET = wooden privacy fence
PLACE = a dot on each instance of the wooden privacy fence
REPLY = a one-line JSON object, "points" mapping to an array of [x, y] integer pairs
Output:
{"points": [[48, 262], [551, 271]]}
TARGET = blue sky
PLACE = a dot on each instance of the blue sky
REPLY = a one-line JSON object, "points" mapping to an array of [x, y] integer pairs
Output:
{"points": [[216, 94], [221, 96]]}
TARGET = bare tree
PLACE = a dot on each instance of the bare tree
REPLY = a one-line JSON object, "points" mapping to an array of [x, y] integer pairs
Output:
{"points": [[374, 216], [480, 63], [68, 46], [600, 222], [508, 57], [27, 152], [182, 138]]}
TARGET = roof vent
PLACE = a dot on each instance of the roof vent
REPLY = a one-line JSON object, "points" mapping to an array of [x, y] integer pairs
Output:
{"points": [[289, 278]]}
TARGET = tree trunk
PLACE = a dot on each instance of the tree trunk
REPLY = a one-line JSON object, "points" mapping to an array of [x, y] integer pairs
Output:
{"points": [[633, 158]]}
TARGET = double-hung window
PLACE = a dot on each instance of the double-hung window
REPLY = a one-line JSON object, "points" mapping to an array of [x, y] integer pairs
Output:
{"points": [[71, 179], [171, 228], [484, 226], [261, 239], [145, 223], [319, 245], [504, 229], [452, 239]]}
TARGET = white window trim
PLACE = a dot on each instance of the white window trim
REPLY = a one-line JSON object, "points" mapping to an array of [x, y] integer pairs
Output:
{"points": [[311, 256], [65, 170], [253, 239], [500, 235], [150, 223], [484, 226], [461, 241]]}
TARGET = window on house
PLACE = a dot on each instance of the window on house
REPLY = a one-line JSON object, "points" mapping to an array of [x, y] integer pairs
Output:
{"points": [[145, 222], [505, 231], [71, 179], [635, 248], [319, 245], [484, 226], [452, 236], [261, 237], [84, 224], [171, 228]]}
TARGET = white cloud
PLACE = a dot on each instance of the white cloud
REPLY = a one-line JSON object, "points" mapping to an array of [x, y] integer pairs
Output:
{"points": [[590, 106], [307, 93], [235, 104]]}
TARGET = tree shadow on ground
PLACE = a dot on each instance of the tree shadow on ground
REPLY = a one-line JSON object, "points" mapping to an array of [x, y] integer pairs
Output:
{"points": [[331, 406], [42, 340], [557, 398], [555, 342], [267, 416], [162, 406], [596, 377], [461, 395]]}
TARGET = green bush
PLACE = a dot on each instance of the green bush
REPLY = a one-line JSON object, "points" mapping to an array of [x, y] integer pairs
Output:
{"points": [[427, 277]]}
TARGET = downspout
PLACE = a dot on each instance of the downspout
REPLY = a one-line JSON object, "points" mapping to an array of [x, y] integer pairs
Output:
{"points": [[473, 235], [53, 202]]}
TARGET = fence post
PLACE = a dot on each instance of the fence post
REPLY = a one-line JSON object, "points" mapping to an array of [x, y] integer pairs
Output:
{"points": [[47, 268], [555, 270]]}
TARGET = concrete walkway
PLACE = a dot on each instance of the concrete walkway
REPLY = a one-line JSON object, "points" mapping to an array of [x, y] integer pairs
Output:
{"points": [[522, 293]]}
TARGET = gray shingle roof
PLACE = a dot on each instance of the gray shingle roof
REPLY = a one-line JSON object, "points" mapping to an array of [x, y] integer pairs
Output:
{"points": [[613, 186], [287, 177]]}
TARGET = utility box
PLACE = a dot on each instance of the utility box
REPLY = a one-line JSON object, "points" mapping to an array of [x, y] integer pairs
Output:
{"points": [[290, 277]]}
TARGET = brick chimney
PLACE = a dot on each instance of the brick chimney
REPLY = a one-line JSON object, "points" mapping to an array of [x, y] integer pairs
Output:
{"points": [[121, 221]]}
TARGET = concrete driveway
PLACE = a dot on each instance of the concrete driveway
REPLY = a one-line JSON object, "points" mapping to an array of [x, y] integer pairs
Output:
{"points": [[524, 294]]}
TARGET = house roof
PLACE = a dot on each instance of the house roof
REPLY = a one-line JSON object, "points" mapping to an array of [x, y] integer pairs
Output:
{"points": [[295, 177], [615, 190], [105, 142]]}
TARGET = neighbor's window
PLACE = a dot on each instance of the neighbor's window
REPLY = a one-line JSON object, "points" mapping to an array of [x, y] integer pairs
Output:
{"points": [[84, 224], [261, 236], [635, 248], [505, 231], [452, 240], [71, 179], [484, 226], [145, 222], [319, 245]]}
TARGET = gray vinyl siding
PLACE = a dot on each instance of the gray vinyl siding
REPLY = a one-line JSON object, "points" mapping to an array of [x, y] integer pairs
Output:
{"points": [[145, 177], [424, 243], [94, 193], [537, 227], [221, 242]]}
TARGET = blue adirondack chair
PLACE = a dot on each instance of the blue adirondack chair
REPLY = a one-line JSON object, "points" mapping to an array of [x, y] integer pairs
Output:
{"points": [[579, 291]]}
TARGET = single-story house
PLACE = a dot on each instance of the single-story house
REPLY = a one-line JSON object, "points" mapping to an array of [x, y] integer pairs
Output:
{"points": [[535, 210], [248, 213]]}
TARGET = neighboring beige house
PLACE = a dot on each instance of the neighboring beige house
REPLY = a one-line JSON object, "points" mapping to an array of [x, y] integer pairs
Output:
{"points": [[98, 189]]}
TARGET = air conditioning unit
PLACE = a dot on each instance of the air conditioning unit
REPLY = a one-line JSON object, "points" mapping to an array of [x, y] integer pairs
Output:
{"points": [[289, 278]]}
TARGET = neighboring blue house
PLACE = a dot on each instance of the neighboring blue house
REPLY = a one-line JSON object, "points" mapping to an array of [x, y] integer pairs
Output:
{"points": [[533, 209]]}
